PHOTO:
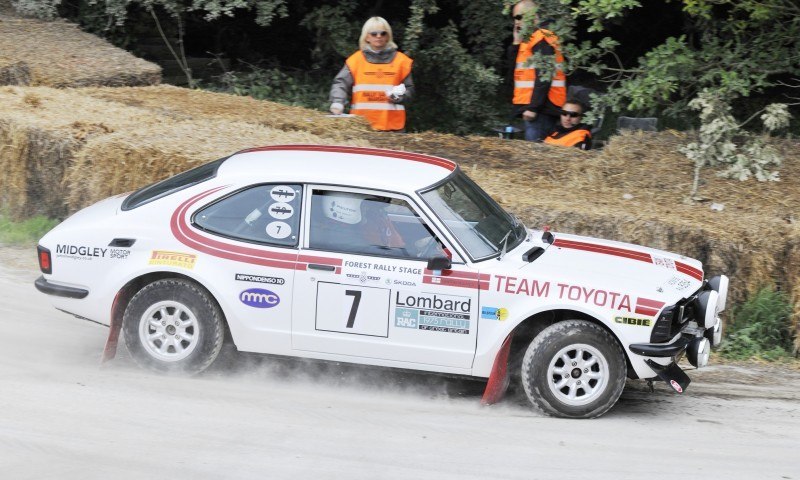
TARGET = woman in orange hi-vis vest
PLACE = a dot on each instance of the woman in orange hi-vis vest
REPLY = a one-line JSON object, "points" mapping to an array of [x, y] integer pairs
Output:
{"points": [[537, 98], [378, 77]]}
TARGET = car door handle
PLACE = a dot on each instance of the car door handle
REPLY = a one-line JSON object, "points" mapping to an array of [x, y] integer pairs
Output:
{"points": [[317, 266], [122, 242]]}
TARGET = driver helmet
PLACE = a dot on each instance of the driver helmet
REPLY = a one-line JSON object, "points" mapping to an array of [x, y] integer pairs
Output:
{"points": [[343, 207]]}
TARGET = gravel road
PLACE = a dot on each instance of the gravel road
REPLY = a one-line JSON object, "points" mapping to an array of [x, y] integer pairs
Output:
{"points": [[65, 416]]}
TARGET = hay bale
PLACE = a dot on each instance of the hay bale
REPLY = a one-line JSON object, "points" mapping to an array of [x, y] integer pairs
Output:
{"points": [[126, 160], [59, 54], [40, 131], [188, 104], [14, 72]]}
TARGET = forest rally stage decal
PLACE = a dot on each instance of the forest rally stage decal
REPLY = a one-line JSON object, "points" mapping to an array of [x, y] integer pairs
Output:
{"points": [[576, 293]]}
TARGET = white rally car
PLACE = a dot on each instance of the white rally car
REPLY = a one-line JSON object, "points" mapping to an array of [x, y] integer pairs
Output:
{"points": [[383, 258]]}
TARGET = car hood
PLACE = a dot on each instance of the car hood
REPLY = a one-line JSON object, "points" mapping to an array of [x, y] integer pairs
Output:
{"points": [[630, 267]]}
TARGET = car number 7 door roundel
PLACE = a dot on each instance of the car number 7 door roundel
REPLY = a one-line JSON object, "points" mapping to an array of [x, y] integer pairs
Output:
{"points": [[353, 309]]}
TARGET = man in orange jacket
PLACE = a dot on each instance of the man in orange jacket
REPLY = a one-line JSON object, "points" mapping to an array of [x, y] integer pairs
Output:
{"points": [[379, 78], [537, 97], [570, 132]]}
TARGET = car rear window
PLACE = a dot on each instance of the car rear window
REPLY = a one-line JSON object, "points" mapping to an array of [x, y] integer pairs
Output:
{"points": [[173, 184]]}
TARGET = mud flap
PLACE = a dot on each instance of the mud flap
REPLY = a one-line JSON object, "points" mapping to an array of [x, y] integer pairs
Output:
{"points": [[498, 380], [672, 374], [110, 350]]}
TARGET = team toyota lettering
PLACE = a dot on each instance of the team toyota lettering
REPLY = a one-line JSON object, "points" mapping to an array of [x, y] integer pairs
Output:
{"points": [[576, 293], [259, 298]]}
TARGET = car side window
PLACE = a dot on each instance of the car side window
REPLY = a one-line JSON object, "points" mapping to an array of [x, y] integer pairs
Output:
{"points": [[369, 224], [268, 214]]}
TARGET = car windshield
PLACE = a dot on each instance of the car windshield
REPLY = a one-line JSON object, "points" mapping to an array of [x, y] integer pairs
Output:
{"points": [[481, 226]]}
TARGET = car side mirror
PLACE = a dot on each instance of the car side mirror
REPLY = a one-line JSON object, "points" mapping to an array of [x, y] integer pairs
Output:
{"points": [[439, 262]]}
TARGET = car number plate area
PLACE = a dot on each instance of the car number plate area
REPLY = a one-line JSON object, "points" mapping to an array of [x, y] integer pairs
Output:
{"points": [[353, 310]]}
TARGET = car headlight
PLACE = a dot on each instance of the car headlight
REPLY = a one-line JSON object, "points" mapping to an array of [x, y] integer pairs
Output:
{"points": [[707, 308], [698, 351], [720, 285]]}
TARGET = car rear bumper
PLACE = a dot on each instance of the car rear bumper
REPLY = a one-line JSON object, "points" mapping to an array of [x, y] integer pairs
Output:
{"points": [[59, 290]]}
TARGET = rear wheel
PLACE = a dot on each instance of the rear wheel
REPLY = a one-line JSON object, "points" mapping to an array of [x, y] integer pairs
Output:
{"points": [[574, 369], [173, 325]]}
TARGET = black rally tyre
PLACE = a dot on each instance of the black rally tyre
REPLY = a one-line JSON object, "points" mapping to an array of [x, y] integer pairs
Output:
{"points": [[173, 326], [574, 369]]}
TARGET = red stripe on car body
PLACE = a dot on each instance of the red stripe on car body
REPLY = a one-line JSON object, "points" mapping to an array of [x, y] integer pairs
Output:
{"points": [[689, 270], [616, 251], [184, 234], [416, 157], [650, 312], [646, 302]]}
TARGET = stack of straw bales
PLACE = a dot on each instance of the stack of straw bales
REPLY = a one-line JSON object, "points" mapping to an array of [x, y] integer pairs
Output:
{"points": [[59, 54]]}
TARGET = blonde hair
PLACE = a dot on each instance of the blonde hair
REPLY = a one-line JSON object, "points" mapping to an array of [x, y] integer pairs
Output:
{"points": [[376, 24]]}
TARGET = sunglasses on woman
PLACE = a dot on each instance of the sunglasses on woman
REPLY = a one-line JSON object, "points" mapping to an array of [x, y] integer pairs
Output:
{"points": [[379, 34], [570, 114]]}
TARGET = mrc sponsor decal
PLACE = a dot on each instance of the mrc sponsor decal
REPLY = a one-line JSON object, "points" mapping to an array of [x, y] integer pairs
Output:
{"points": [[494, 313], [173, 259], [243, 277], [433, 312], [259, 298], [83, 252]]}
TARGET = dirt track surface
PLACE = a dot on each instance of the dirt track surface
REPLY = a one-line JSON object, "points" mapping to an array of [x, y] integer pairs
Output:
{"points": [[65, 416]]}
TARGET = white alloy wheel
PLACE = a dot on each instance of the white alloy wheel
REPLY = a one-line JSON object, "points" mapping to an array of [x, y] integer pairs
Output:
{"points": [[574, 369], [578, 374], [169, 331], [173, 326]]}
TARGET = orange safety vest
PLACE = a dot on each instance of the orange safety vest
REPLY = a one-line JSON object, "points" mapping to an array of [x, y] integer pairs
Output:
{"points": [[371, 84], [569, 139], [525, 77]]}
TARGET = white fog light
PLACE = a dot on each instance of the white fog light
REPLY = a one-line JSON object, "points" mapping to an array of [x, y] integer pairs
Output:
{"points": [[698, 351], [707, 303], [720, 284]]}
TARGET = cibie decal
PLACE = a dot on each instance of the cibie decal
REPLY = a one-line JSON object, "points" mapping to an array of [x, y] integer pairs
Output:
{"points": [[259, 298], [259, 279], [173, 259], [492, 313], [641, 322], [282, 193], [433, 312], [676, 386], [280, 211]]}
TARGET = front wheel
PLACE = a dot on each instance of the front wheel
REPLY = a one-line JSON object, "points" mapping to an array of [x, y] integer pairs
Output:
{"points": [[574, 369], [173, 326]]}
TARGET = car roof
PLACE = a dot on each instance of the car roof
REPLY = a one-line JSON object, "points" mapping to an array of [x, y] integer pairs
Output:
{"points": [[338, 165]]}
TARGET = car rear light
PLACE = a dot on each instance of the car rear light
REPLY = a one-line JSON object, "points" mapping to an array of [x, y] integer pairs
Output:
{"points": [[45, 263]]}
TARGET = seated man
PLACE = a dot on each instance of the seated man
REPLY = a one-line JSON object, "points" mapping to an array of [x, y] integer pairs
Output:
{"points": [[569, 131]]}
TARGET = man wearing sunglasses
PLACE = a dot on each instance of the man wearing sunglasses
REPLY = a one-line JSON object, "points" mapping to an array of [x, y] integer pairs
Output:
{"points": [[570, 132], [378, 77], [538, 98]]}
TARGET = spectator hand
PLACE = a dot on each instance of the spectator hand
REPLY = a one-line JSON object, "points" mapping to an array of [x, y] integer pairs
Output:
{"points": [[528, 115], [337, 108]]}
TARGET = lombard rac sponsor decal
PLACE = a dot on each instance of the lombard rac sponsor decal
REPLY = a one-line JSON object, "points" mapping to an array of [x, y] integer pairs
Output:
{"points": [[173, 259], [259, 298], [433, 312], [493, 313], [242, 277]]}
